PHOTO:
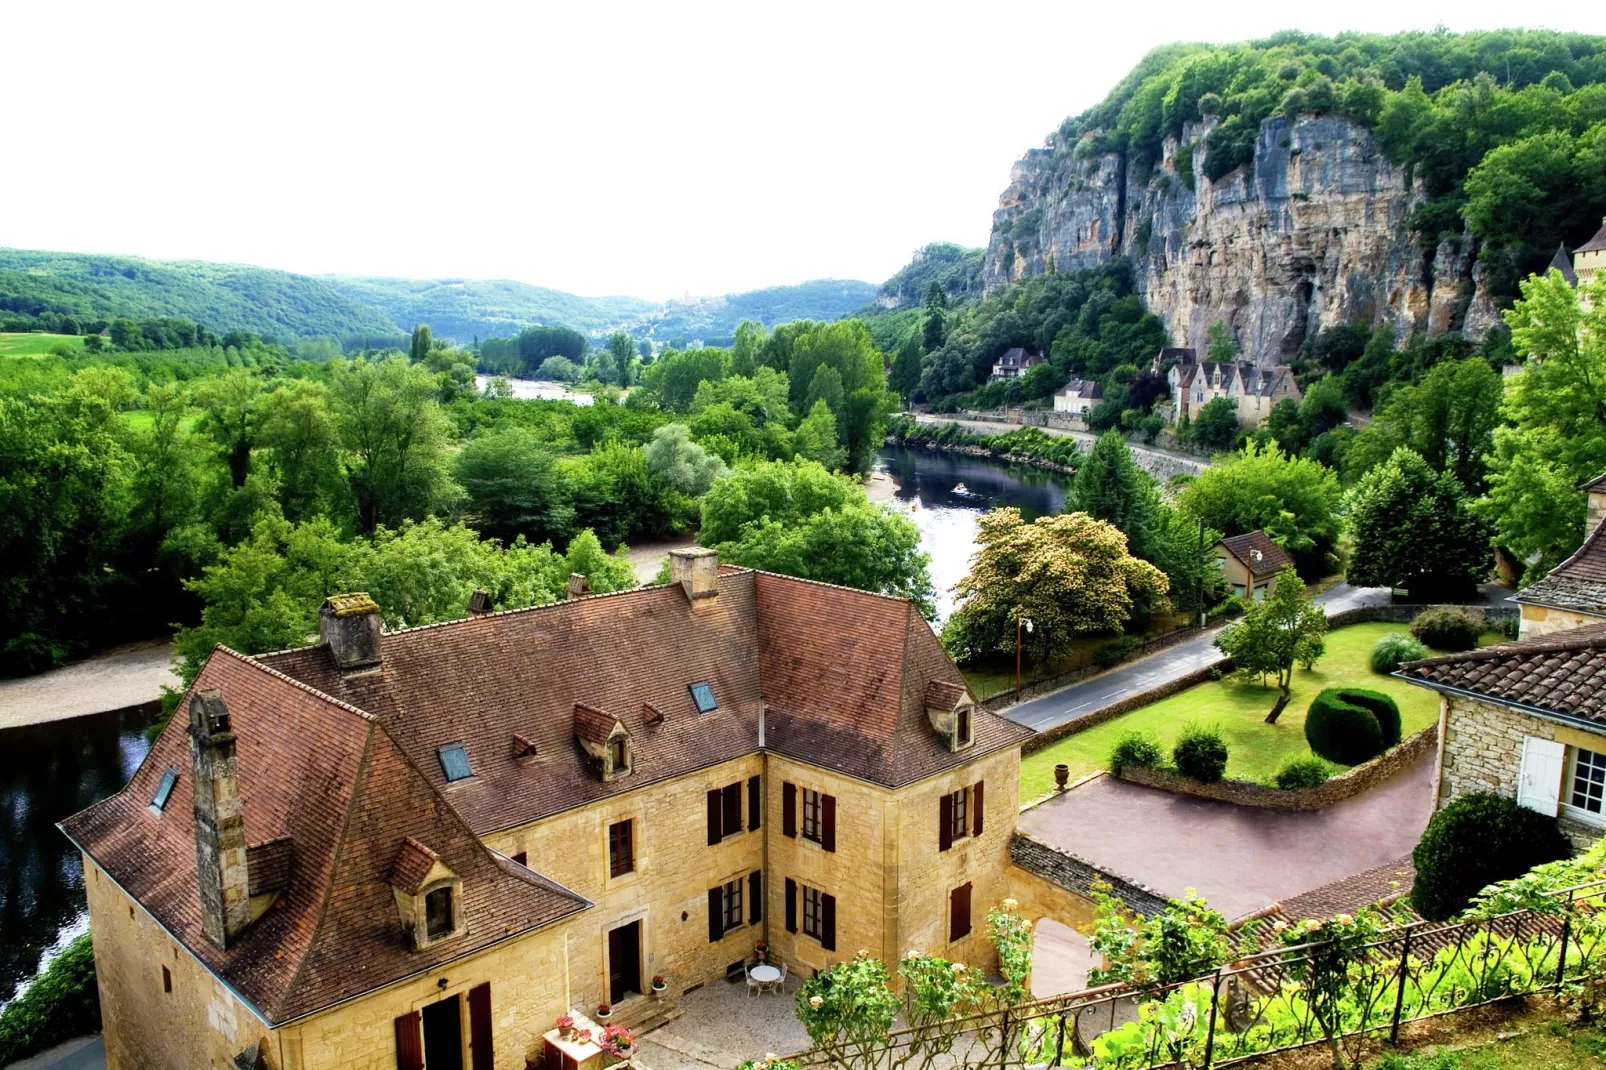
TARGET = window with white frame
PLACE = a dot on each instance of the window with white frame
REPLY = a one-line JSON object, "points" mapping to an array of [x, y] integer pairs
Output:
{"points": [[1586, 782]]}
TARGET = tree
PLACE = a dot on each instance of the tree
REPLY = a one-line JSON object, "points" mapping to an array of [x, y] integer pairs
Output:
{"points": [[623, 351], [228, 406], [297, 432], [1474, 841], [816, 438], [674, 377], [1414, 528], [799, 519], [1274, 633], [934, 330], [1293, 500], [827, 387], [1222, 347], [905, 379], [1555, 411], [683, 464], [395, 438], [1215, 425], [514, 487], [1448, 419], [422, 342], [1069, 574], [1110, 486]]}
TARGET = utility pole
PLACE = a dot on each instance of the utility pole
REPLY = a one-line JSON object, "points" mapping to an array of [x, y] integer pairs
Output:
{"points": [[1018, 622]]}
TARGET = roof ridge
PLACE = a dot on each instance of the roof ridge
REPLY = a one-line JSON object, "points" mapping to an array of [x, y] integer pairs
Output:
{"points": [[832, 586], [252, 661], [1588, 542], [1539, 644]]}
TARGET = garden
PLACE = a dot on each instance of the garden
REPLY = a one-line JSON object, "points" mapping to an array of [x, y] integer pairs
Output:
{"points": [[1238, 706]]}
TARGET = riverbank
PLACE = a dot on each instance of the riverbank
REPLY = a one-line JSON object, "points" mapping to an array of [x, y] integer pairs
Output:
{"points": [[120, 678], [1160, 463]]}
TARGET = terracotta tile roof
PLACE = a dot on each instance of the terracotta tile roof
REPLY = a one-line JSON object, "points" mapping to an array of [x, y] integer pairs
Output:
{"points": [[942, 695], [1245, 548], [269, 865], [333, 781], [1562, 673], [1578, 582], [412, 866], [1595, 244], [592, 725]]}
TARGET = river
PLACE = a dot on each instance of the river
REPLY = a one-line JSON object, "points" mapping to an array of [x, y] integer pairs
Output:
{"points": [[926, 482], [537, 388]]}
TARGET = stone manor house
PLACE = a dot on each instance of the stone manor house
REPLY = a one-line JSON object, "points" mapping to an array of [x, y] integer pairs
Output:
{"points": [[420, 848]]}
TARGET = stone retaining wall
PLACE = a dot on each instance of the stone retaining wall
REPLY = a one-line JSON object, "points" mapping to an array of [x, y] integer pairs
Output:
{"points": [[1361, 778], [1077, 875]]}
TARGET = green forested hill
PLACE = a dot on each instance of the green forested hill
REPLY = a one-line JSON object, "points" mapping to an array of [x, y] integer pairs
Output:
{"points": [[460, 309], [715, 319], [223, 297]]}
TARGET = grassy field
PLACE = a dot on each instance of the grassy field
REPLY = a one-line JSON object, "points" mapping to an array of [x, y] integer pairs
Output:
{"points": [[1255, 749], [1559, 1046], [35, 345]]}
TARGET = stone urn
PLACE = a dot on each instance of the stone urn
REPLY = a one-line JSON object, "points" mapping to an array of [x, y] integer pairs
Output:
{"points": [[1062, 776]]}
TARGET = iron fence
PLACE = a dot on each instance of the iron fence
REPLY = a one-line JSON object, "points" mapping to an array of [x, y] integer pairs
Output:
{"points": [[1265, 1002]]}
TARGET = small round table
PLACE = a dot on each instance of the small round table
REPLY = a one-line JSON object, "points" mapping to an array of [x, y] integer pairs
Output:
{"points": [[766, 974]]}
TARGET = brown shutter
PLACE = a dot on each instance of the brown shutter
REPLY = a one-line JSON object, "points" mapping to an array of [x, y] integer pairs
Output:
{"points": [[716, 914], [755, 803], [976, 806], [410, 1042], [945, 822], [959, 912], [755, 897], [715, 808], [789, 810], [479, 1028], [828, 921], [791, 905], [828, 822]]}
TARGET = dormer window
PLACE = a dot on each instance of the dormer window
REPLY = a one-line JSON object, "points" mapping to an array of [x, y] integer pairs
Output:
{"points": [[962, 727], [454, 762], [438, 913], [605, 739], [703, 696], [619, 755], [429, 895], [163, 790]]}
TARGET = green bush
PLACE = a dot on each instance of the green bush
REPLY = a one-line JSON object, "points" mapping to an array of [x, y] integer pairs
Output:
{"points": [[1350, 725], [1200, 752], [1508, 626], [1474, 841], [1447, 628], [1303, 771], [1112, 654], [1393, 649], [62, 1003], [1135, 748]]}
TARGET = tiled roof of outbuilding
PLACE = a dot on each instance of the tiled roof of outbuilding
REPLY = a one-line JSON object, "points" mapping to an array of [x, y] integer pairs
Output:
{"points": [[1562, 673], [1580, 581], [1259, 554]]}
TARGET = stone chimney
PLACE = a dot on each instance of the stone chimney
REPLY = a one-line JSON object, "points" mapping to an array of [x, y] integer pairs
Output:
{"points": [[579, 586], [479, 604], [696, 569], [220, 856], [349, 623]]}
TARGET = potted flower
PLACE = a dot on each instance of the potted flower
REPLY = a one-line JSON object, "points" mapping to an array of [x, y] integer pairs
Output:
{"points": [[565, 1026], [604, 1012], [658, 986], [617, 1041], [763, 951]]}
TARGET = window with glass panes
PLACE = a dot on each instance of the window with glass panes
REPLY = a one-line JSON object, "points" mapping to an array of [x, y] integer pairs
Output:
{"points": [[621, 849], [812, 915], [959, 821], [811, 815], [733, 905], [1588, 784]]}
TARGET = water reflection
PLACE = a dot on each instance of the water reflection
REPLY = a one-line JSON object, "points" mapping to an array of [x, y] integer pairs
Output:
{"points": [[945, 493], [537, 388], [47, 772]]}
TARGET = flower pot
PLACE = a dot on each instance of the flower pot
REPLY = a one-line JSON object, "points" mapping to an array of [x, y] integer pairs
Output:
{"points": [[602, 1015], [1062, 776]]}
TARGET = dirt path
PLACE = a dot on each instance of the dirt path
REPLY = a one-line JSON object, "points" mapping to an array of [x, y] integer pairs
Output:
{"points": [[121, 677]]}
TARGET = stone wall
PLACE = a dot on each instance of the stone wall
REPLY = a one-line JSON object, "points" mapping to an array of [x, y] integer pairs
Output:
{"points": [[1542, 620], [1346, 785], [1076, 875], [1483, 752]]}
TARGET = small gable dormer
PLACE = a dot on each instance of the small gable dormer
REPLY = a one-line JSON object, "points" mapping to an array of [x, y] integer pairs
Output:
{"points": [[429, 896], [523, 747], [951, 712], [605, 738]]}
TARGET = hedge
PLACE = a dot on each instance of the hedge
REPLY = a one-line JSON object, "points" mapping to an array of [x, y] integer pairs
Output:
{"points": [[1448, 628], [1200, 752], [1350, 725], [1476, 840]]}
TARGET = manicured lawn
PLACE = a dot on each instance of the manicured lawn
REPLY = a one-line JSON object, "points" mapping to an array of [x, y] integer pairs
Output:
{"points": [[33, 345], [1255, 749], [1558, 1046]]}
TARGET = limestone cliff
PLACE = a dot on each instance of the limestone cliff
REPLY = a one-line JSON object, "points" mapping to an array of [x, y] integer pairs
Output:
{"points": [[1309, 235]]}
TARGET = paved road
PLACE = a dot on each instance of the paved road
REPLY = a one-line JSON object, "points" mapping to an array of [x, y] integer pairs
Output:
{"points": [[84, 1053], [1090, 695], [1238, 857]]}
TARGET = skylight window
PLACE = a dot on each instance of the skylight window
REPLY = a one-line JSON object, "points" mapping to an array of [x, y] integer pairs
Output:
{"points": [[703, 695], [163, 790], [454, 762]]}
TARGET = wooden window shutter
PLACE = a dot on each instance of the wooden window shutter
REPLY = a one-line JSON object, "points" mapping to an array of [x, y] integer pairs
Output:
{"points": [[959, 912], [791, 905], [945, 822], [828, 822], [976, 807], [481, 1056], [755, 896], [716, 914], [828, 921], [789, 810], [755, 803], [410, 1042], [715, 809]]}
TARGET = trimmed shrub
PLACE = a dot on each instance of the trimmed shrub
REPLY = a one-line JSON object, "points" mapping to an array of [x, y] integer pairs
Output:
{"points": [[1135, 748], [1395, 648], [1350, 725], [62, 1003], [1200, 752], [1112, 654], [1303, 771], [1447, 628], [1474, 841]]}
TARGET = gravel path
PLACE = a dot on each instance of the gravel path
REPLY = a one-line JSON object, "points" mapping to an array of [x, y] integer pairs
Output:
{"points": [[121, 677]]}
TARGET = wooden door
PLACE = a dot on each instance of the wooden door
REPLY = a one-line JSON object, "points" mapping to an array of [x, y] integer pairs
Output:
{"points": [[481, 1051], [624, 961]]}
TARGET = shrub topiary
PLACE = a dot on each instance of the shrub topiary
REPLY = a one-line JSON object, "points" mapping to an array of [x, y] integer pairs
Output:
{"points": [[1135, 748], [1200, 752], [1447, 628], [1350, 725], [1303, 771], [1393, 649], [1474, 841]]}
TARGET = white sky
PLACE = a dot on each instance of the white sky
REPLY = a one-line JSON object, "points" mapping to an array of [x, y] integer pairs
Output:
{"points": [[596, 148]]}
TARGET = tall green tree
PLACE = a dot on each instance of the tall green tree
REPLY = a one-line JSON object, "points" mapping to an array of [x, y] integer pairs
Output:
{"points": [[420, 345], [1447, 419], [905, 379], [394, 435], [1294, 500], [229, 407], [1275, 633], [1414, 528], [1110, 486], [1221, 346], [623, 350], [514, 487], [934, 330], [683, 464], [298, 435], [816, 438]]}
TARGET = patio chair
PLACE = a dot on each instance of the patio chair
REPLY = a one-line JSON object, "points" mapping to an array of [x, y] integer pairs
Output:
{"points": [[780, 986], [753, 984]]}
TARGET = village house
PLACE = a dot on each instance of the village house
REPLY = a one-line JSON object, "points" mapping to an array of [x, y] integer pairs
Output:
{"points": [[1590, 257], [1526, 720], [1573, 594], [1250, 563], [1252, 390], [420, 848], [1015, 363], [1078, 397]]}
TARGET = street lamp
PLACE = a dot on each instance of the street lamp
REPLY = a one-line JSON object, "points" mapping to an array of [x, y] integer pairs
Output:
{"points": [[1019, 621]]}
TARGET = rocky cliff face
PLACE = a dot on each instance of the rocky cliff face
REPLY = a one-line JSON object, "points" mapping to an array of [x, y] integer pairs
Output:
{"points": [[1310, 235]]}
